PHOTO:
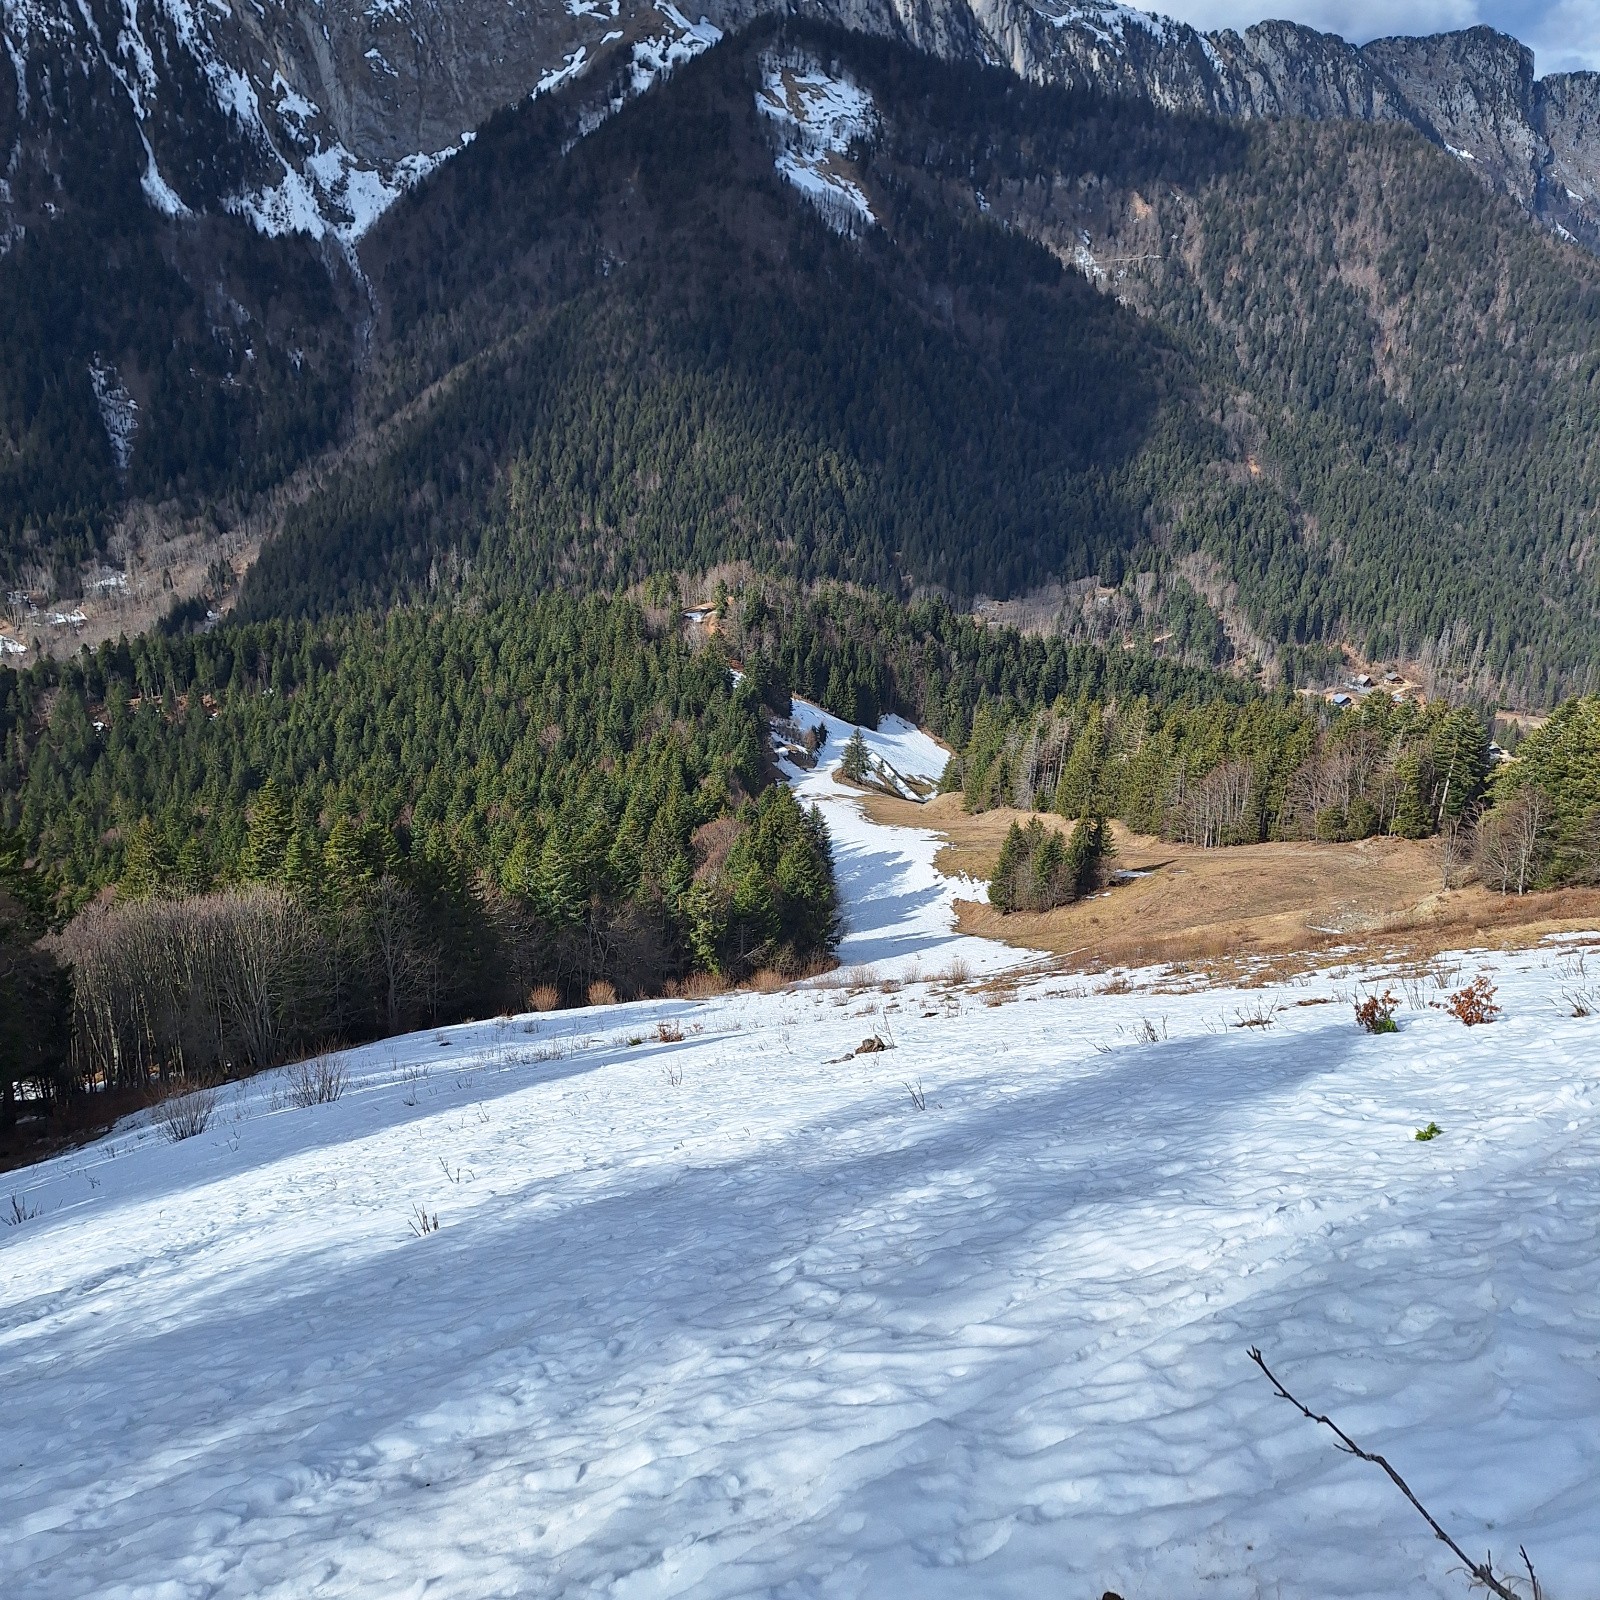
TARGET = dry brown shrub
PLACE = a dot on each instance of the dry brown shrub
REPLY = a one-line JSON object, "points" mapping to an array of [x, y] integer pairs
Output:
{"points": [[703, 986], [1474, 1004], [1376, 1013], [958, 972], [186, 1110], [546, 997], [768, 981], [602, 993], [669, 1033]]}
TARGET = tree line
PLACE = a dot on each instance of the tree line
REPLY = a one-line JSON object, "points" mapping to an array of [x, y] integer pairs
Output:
{"points": [[1282, 766], [265, 836]]}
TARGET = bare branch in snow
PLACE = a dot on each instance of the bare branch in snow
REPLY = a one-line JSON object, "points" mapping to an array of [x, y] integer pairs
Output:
{"points": [[1481, 1572]]}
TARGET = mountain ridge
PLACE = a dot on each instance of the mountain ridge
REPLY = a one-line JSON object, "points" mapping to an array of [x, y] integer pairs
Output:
{"points": [[313, 117], [1206, 375]]}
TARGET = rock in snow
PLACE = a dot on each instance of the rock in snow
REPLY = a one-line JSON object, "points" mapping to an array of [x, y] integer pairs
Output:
{"points": [[728, 1315]]}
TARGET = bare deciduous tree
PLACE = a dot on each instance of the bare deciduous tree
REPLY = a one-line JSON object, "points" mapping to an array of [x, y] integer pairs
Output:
{"points": [[1510, 840], [404, 965], [1453, 850], [1213, 810], [182, 988]]}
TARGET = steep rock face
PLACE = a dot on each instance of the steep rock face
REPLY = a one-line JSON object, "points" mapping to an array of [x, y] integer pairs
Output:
{"points": [[311, 116], [1569, 118], [1473, 92], [307, 117]]}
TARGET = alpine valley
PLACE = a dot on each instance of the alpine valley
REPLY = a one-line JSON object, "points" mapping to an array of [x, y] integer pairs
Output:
{"points": [[1256, 346], [786, 794]]}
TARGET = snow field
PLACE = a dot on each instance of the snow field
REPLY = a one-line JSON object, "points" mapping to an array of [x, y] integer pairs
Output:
{"points": [[726, 1314], [899, 911], [729, 1316], [819, 116]]}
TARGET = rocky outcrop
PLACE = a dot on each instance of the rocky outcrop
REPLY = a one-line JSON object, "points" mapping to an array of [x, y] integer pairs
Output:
{"points": [[306, 117], [313, 116]]}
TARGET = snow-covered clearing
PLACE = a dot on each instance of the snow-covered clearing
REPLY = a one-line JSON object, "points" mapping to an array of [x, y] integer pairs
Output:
{"points": [[727, 1314], [818, 117], [900, 912]]}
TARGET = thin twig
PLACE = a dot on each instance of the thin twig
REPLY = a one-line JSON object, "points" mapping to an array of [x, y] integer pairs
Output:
{"points": [[1533, 1577], [1484, 1574]]}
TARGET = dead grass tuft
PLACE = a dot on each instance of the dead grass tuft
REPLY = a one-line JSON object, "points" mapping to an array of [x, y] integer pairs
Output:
{"points": [[703, 986]]}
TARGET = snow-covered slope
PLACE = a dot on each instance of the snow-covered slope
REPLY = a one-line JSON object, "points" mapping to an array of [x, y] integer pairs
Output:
{"points": [[899, 911], [728, 1314]]}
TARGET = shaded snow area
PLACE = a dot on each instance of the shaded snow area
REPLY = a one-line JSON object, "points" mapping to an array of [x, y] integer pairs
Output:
{"points": [[323, 188], [331, 192], [714, 1309], [818, 117], [119, 411], [302, 177]]}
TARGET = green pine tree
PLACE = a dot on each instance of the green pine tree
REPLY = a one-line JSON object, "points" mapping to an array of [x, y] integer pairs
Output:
{"points": [[1003, 880], [267, 843], [146, 862], [853, 764]]}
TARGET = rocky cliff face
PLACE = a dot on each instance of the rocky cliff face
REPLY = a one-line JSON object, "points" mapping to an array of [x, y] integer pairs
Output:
{"points": [[312, 117], [306, 117], [1473, 92]]}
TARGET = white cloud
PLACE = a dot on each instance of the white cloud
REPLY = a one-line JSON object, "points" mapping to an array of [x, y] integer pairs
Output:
{"points": [[1564, 34]]}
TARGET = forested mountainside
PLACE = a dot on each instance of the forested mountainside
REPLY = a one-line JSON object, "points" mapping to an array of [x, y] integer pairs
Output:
{"points": [[831, 308], [476, 740], [447, 811], [254, 839], [1029, 337]]}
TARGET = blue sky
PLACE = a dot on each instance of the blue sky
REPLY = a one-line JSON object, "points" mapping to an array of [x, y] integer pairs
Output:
{"points": [[1564, 34]]}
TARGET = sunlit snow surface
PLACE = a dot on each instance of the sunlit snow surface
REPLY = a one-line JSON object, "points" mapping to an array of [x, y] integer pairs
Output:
{"points": [[900, 913], [728, 1316]]}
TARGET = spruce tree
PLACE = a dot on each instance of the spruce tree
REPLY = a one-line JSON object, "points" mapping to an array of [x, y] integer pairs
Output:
{"points": [[854, 763], [267, 842], [1003, 880], [146, 862]]}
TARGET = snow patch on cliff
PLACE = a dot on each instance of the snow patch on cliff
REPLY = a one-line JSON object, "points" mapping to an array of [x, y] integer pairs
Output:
{"points": [[119, 411], [336, 194], [655, 57], [818, 118]]}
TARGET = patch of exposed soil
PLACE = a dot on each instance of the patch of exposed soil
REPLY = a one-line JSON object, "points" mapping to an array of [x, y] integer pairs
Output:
{"points": [[1176, 903]]}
